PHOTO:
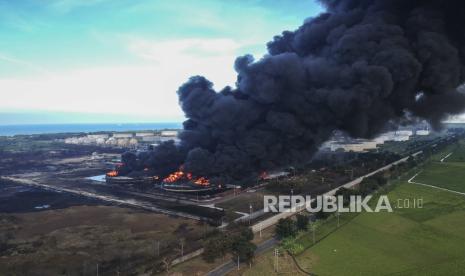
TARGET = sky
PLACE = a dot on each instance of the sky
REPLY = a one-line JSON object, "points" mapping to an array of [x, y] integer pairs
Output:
{"points": [[81, 61]]}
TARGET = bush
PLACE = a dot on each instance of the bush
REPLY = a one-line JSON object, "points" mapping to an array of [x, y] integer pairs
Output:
{"points": [[346, 193], [286, 228], [367, 186], [302, 222], [292, 246]]}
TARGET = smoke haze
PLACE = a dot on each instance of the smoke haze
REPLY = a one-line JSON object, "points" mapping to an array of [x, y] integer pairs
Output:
{"points": [[359, 67]]}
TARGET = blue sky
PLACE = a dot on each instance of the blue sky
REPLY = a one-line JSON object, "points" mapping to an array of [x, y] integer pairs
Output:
{"points": [[122, 60]]}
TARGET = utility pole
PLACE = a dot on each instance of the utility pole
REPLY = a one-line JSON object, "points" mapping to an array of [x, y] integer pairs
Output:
{"points": [[238, 263], [158, 248], [337, 214], [292, 195], [97, 269], [85, 268], [313, 231], [182, 247], [250, 213], [276, 259]]}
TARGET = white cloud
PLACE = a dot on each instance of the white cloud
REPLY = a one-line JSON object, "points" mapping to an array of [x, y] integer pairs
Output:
{"points": [[186, 48], [147, 89], [213, 58], [23, 63], [126, 90]]}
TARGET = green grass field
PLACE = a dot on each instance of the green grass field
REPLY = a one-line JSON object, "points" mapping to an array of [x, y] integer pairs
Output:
{"points": [[458, 153], [425, 241], [413, 241], [407, 241], [450, 173]]}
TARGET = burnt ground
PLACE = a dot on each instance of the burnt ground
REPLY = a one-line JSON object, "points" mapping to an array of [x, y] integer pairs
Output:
{"points": [[26, 160], [15, 198], [49, 162]]}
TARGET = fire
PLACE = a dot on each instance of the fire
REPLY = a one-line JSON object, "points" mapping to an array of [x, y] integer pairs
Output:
{"points": [[181, 175], [202, 181], [178, 175], [263, 175], [112, 173]]}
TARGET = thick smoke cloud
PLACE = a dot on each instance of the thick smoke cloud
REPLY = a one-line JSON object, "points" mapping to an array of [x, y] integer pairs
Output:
{"points": [[356, 68]]}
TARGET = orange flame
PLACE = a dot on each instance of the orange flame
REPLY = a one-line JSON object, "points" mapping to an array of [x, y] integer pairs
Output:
{"points": [[112, 173], [180, 175], [174, 177], [202, 181]]}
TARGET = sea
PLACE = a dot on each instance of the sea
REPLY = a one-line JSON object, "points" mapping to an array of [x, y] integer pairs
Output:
{"points": [[11, 130]]}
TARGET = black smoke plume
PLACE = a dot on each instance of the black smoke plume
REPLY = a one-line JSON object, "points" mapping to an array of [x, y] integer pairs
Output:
{"points": [[356, 68]]}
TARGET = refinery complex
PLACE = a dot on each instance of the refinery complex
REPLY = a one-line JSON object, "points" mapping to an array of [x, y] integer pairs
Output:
{"points": [[132, 140]]}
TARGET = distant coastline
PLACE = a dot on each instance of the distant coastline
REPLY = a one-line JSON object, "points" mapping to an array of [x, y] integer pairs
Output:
{"points": [[25, 129]]}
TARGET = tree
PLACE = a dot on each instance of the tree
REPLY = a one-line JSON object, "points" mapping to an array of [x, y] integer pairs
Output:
{"points": [[243, 249], [367, 186], [302, 222], [215, 246], [345, 193], [236, 240], [380, 179], [322, 215], [286, 228], [247, 234]]}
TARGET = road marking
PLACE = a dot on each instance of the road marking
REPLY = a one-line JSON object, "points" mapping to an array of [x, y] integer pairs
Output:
{"points": [[444, 158], [431, 186]]}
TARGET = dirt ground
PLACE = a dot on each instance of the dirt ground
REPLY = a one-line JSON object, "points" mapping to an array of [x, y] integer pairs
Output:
{"points": [[75, 240]]}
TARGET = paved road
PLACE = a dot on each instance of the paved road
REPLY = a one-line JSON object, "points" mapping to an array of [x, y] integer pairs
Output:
{"points": [[274, 219], [230, 266]]}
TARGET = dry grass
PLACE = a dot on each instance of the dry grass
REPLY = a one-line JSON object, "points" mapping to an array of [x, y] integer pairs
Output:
{"points": [[75, 239]]}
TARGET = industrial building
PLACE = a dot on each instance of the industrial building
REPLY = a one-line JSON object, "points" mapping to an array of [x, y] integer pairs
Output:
{"points": [[340, 142], [126, 139]]}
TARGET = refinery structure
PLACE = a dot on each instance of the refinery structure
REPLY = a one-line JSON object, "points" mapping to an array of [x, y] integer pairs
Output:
{"points": [[181, 181], [132, 140], [343, 143]]}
